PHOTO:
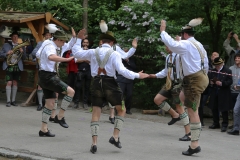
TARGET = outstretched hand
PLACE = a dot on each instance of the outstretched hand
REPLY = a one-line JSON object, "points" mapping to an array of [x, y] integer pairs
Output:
{"points": [[82, 34], [152, 76], [73, 32], [143, 75], [135, 43], [163, 25]]}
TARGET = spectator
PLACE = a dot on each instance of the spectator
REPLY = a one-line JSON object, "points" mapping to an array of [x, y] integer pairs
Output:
{"points": [[72, 69], [229, 49], [205, 95], [13, 72], [125, 84], [220, 97], [236, 74], [83, 79]]}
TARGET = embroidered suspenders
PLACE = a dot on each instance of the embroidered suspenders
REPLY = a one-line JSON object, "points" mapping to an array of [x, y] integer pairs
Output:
{"points": [[102, 64]]}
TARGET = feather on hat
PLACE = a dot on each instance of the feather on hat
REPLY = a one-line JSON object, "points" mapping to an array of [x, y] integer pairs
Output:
{"points": [[51, 28], [105, 33], [189, 27]]}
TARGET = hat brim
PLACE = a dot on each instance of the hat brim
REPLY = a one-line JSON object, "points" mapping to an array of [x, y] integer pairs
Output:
{"points": [[217, 63], [63, 38], [187, 31], [107, 36]]}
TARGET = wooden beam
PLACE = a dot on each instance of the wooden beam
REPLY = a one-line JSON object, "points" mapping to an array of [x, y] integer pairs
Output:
{"points": [[34, 32], [59, 24], [48, 17], [32, 18], [40, 30], [30, 99]]}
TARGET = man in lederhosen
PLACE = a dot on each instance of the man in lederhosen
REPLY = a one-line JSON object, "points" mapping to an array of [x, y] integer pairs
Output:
{"points": [[13, 71], [172, 89], [50, 56], [194, 66], [104, 64], [46, 36]]}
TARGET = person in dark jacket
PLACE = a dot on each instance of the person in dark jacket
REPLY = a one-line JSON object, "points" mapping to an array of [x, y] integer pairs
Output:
{"points": [[126, 84], [220, 98]]}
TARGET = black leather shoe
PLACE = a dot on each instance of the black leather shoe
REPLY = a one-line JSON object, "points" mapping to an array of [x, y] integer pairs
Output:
{"points": [[128, 112], [191, 151], [214, 126], [62, 122], [223, 129], [52, 120], [116, 144], [47, 134], [93, 149], [75, 105], [8, 104], [186, 137], [14, 103], [233, 132], [230, 127], [174, 120], [39, 108], [112, 120]]}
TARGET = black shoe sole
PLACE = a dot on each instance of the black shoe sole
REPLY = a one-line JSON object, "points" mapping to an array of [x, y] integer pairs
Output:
{"points": [[47, 134], [113, 142], [190, 151], [93, 149]]}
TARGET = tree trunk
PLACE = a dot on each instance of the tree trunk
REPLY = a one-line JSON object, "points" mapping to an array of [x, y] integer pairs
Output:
{"points": [[85, 14]]}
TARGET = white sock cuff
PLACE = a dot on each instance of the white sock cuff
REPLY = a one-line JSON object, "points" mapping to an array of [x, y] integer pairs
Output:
{"points": [[195, 131]]}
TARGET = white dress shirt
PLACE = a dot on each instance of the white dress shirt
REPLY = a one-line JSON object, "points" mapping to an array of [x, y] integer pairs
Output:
{"points": [[43, 54], [114, 62], [46, 64], [190, 57], [163, 73]]}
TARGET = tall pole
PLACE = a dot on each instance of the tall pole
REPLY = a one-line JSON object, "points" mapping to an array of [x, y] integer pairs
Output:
{"points": [[85, 15]]}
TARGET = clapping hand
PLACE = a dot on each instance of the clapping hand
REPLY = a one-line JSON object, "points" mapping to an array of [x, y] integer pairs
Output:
{"points": [[82, 34]]}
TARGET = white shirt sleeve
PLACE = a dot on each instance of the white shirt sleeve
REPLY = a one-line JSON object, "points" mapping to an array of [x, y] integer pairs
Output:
{"points": [[175, 46], [123, 70], [125, 55], [69, 45], [163, 73], [78, 52]]}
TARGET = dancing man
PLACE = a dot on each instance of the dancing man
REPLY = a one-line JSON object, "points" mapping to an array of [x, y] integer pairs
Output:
{"points": [[194, 66], [50, 55], [172, 89], [104, 64]]}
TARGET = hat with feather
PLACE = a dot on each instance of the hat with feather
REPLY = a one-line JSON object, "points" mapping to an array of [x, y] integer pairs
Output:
{"points": [[59, 34], [105, 33], [188, 28]]}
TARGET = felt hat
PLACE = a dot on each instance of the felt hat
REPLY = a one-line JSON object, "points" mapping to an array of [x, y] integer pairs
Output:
{"points": [[105, 33], [217, 61], [59, 34], [189, 28]]}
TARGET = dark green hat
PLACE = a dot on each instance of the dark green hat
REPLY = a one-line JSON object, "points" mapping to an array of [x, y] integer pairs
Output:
{"points": [[217, 61], [60, 35], [187, 29], [108, 35]]}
